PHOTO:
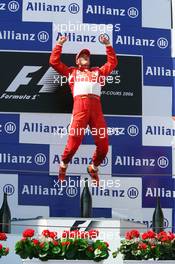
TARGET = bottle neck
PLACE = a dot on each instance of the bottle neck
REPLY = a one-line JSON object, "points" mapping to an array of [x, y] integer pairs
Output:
{"points": [[158, 202], [86, 183], [5, 199]]}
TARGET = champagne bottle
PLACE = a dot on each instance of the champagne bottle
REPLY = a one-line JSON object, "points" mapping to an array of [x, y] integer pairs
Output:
{"points": [[86, 201], [5, 216], [158, 218]]}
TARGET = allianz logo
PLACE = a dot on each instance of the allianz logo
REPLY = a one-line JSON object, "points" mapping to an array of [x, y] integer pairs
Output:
{"points": [[12, 6], [161, 42], [79, 160], [42, 128], [159, 71], [159, 131], [132, 12], [148, 223], [74, 37], [8, 158], [162, 162], [72, 8], [42, 36], [8, 127], [160, 192], [131, 193], [41, 190]]}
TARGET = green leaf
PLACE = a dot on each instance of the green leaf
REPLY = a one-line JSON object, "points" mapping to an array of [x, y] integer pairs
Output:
{"points": [[56, 250], [71, 252]]}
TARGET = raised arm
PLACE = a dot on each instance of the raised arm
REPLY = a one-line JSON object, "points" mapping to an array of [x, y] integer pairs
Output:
{"points": [[112, 60], [55, 62]]}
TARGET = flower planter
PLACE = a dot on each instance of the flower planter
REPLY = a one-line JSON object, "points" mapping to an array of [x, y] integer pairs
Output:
{"points": [[37, 261], [148, 262]]}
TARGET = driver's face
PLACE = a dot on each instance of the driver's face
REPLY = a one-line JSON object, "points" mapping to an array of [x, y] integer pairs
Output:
{"points": [[84, 60]]}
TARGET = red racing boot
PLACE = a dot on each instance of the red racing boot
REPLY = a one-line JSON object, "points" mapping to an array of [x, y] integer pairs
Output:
{"points": [[94, 174]]}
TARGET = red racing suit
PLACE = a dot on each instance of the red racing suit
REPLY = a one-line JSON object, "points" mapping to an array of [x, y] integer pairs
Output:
{"points": [[85, 84]]}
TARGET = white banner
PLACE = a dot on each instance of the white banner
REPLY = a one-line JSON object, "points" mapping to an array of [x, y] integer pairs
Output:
{"points": [[156, 14], [44, 128], [157, 101], [53, 11]]}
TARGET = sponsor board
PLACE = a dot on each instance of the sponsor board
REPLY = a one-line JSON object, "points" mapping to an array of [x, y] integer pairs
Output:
{"points": [[39, 189], [124, 12], [117, 192], [9, 184], [157, 131], [143, 41], [24, 157], [145, 216], [10, 10], [158, 71], [28, 36], [80, 161], [9, 128], [32, 85], [122, 130], [127, 160], [52, 11], [44, 128], [157, 186]]}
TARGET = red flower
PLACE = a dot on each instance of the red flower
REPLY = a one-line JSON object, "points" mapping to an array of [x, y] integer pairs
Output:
{"points": [[161, 234], [142, 246], [165, 237], [7, 250], [132, 234], [149, 234], [90, 249], [66, 243], [0, 246], [55, 243], [35, 241], [107, 244], [41, 244], [28, 233], [3, 236], [153, 246], [46, 233], [171, 235], [53, 234]]}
